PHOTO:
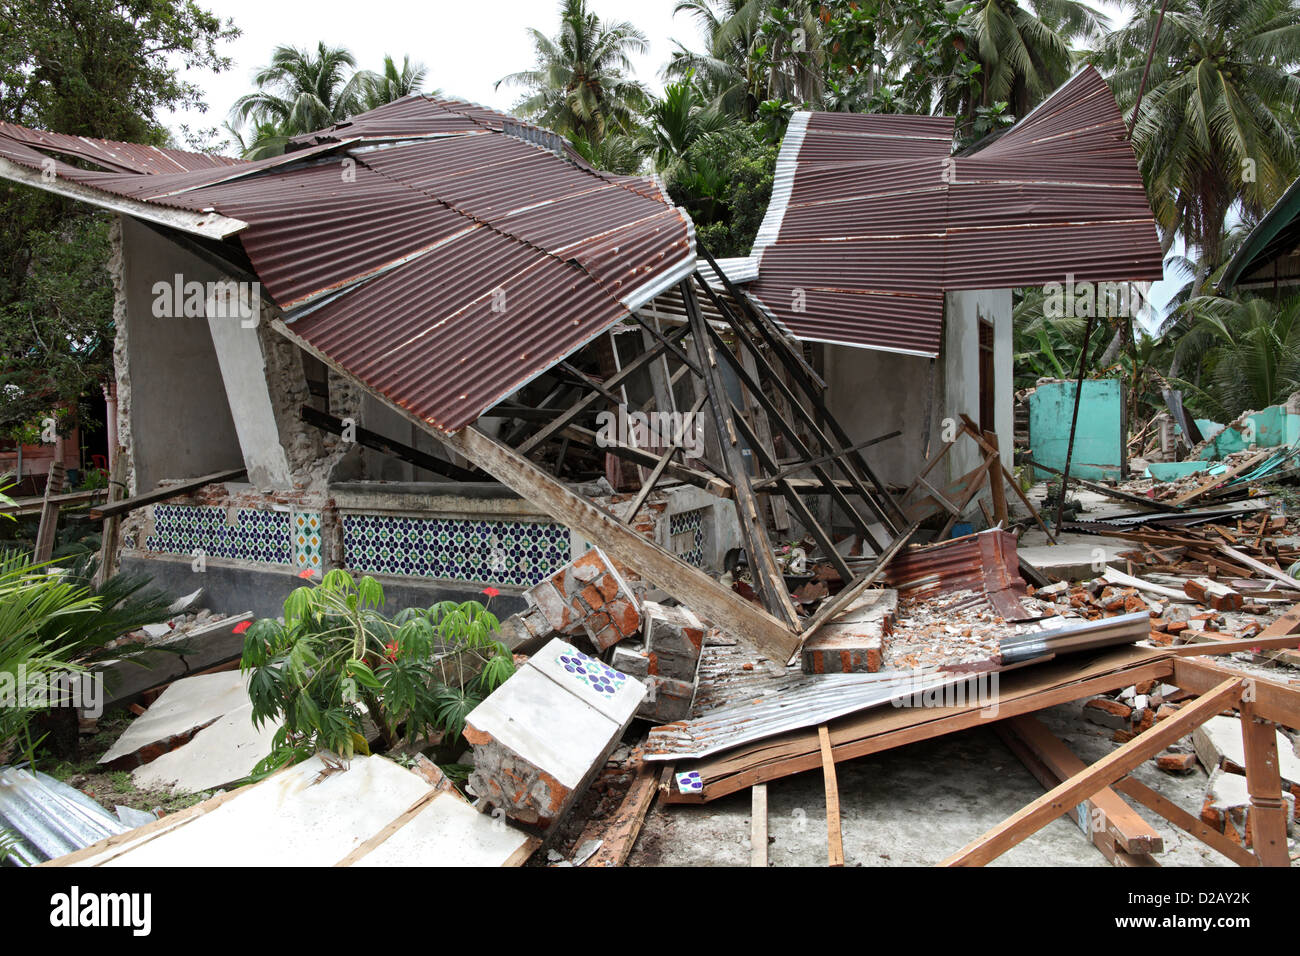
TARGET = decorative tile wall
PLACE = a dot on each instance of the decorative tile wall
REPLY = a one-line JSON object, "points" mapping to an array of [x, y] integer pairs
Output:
{"points": [[256, 535], [686, 533], [306, 529], [487, 551]]}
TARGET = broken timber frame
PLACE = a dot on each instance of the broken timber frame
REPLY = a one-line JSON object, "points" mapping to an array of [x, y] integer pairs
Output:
{"points": [[698, 348]]}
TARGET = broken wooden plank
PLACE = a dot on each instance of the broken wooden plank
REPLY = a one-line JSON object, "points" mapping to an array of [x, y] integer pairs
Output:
{"points": [[1109, 812], [127, 505], [711, 600], [49, 513], [834, 836], [1259, 566], [625, 825], [1104, 772]]}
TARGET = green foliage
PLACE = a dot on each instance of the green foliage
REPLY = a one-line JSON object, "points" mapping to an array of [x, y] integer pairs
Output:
{"points": [[33, 605], [579, 86], [724, 180], [102, 68], [1217, 124], [56, 327], [125, 602], [337, 659]]}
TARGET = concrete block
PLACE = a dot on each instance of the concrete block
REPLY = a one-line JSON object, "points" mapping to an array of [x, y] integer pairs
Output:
{"points": [[674, 639], [588, 596], [1218, 744], [631, 659], [668, 700], [542, 736]]}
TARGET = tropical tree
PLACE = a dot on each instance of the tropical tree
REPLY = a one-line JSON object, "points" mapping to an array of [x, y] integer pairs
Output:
{"points": [[298, 92], [677, 120], [393, 82], [1249, 355], [1216, 125], [580, 86], [1023, 52]]}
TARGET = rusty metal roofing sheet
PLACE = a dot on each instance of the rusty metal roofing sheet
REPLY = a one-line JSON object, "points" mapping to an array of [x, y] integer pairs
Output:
{"points": [[443, 253], [112, 155], [871, 220]]}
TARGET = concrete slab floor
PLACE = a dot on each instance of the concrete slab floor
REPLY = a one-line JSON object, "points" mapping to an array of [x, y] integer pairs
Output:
{"points": [[913, 806]]}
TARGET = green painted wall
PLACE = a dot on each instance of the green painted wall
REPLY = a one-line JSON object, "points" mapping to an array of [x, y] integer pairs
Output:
{"points": [[1098, 439]]}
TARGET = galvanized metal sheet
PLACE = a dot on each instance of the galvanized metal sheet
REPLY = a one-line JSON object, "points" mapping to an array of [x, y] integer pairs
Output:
{"points": [[1059, 194]]}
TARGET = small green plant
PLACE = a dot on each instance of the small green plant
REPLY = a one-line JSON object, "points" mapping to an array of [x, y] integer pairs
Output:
{"points": [[121, 780], [337, 664]]}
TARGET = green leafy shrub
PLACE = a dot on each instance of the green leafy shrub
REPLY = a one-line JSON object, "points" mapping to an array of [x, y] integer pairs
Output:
{"points": [[337, 660]]}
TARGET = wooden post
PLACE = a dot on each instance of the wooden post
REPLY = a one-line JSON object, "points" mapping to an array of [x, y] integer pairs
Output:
{"points": [[1267, 808], [49, 513], [834, 836], [758, 826]]}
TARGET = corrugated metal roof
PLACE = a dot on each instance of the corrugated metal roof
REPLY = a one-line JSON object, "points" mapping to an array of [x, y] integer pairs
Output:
{"points": [[871, 220], [110, 154], [443, 253]]}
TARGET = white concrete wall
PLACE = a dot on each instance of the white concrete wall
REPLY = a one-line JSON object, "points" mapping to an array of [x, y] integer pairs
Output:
{"points": [[170, 387], [961, 370], [873, 393]]}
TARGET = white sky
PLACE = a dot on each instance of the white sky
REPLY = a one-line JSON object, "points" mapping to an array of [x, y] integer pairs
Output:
{"points": [[466, 47]]}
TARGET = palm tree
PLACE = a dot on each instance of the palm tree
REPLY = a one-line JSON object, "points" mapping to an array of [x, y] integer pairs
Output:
{"points": [[393, 83], [300, 92], [754, 52], [1023, 53], [1249, 354], [1216, 126], [580, 86], [678, 120]]}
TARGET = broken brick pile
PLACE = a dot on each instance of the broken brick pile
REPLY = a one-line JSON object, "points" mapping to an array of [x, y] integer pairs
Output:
{"points": [[1215, 746], [668, 660]]}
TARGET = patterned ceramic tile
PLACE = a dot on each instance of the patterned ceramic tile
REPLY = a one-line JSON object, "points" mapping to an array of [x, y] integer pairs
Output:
{"points": [[686, 531], [690, 782], [306, 527], [485, 551], [593, 673], [256, 535]]}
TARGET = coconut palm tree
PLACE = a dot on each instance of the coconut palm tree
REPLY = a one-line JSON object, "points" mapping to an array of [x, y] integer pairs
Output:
{"points": [[580, 86], [754, 51], [1216, 126], [393, 83], [300, 91], [1023, 52]]}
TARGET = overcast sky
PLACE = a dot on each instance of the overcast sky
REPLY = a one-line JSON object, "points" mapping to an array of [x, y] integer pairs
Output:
{"points": [[466, 47]]}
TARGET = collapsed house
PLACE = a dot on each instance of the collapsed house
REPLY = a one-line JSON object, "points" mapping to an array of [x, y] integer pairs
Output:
{"points": [[433, 345], [437, 297]]}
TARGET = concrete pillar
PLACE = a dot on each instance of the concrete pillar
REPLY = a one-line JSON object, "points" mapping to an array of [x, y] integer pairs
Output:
{"points": [[243, 369]]}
